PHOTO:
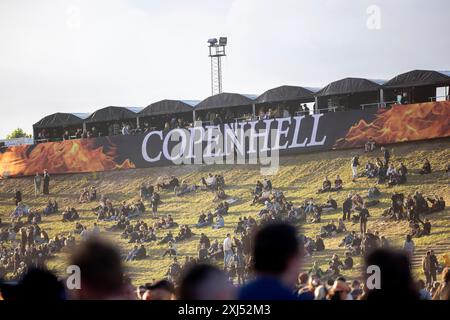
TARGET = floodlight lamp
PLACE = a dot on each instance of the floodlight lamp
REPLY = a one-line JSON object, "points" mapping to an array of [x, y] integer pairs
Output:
{"points": [[212, 41], [223, 41]]}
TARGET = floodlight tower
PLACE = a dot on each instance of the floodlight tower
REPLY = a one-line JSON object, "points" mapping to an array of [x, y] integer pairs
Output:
{"points": [[216, 52]]}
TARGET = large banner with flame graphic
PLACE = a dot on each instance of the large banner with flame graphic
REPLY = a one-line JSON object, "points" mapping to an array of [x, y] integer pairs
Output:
{"points": [[340, 130]]}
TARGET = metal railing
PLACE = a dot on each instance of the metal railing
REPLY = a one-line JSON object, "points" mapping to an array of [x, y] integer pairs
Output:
{"points": [[446, 98]]}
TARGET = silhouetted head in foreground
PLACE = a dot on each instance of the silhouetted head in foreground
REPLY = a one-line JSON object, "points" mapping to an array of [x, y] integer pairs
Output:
{"points": [[276, 262], [395, 278], [35, 285], [101, 271], [276, 252], [205, 282], [160, 290]]}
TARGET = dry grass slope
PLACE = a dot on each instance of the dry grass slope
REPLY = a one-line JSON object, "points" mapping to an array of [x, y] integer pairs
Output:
{"points": [[298, 177]]}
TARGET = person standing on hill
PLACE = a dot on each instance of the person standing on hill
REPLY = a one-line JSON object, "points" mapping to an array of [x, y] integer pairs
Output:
{"points": [[18, 197], [429, 267], [46, 189], [227, 250], [355, 164], [386, 155], [347, 208], [363, 217], [37, 184]]}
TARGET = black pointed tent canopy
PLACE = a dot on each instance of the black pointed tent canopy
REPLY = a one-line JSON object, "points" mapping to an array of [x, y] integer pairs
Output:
{"points": [[286, 93], [168, 107], [224, 100], [111, 114], [416, 78], [60, 120], [348, 86]]}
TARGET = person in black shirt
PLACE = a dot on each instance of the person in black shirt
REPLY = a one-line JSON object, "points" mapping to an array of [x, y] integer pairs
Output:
{"points": [[320, 245], [348, 262], [338, 184], [18, 197], [426, 168], [326, 186], [46, 189], [386, 155], [363, 217], [347, 208]]}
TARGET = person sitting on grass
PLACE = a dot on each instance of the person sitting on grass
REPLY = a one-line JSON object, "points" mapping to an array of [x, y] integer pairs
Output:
{"points": [[426, 168], [70, 214], [338, 184], [203, 254], [220, 195], [171, 250], [341, 226], [132, 254], [263, 197], [330, 205], [216, 251], [258, 188], [210, 182], [201, 222], [402, 172], [167, 238], [348, 262], [52, 207], [319, 244], [328, 230], [141, 253], [84, 196], [220, 222], [184, 188], [222, 208], [20, 211], [370, 170], [326, 186], [168, 184], [334, 265], [184, 233], [316, 214], [437, 204], [78, 228]]}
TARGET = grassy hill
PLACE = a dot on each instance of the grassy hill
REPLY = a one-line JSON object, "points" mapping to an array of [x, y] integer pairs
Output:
{"points": [[298, 177]]}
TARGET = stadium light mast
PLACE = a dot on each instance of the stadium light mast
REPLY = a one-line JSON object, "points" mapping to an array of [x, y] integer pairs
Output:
{"points": [[216, 52]]}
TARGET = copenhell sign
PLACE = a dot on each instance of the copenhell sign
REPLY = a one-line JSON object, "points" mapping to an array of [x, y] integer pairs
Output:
{"points": [[235, 143]]}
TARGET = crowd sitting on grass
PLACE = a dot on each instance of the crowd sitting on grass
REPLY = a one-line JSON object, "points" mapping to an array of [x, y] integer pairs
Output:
{"points": [[258, 245], [275, 259]]}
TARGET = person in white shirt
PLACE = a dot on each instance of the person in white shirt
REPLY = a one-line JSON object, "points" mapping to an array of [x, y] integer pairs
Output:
{"points": [[95, 230], [408, 246], [355, 164], [391, 170], [84, 234], [227, 249]]}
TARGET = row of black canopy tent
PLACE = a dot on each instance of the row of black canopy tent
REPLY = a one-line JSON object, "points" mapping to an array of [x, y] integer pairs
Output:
{"points": [[355, 91]]}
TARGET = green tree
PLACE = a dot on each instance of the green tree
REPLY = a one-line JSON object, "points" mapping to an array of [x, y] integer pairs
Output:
{"points": [[18, 133]]}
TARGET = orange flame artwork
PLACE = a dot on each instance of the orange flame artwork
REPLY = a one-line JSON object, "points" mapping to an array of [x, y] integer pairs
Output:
{"points": [[59, 157], [401, 123]]}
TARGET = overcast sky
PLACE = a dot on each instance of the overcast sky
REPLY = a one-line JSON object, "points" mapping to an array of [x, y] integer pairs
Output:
{"points": [[78, 56]]}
